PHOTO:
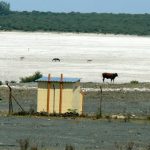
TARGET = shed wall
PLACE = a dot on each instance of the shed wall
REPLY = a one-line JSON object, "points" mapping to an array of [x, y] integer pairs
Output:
{"points": [[77, 98], [42, 97], [71, 97]]}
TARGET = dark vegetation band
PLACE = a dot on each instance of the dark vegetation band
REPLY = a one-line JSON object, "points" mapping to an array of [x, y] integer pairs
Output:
{"points": [[132, 24]]}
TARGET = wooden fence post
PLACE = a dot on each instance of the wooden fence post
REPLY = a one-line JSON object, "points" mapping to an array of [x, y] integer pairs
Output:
{"points": [[10, 99]]}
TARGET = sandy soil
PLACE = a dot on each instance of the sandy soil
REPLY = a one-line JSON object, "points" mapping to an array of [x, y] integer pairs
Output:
{"points": [[129, 56]]}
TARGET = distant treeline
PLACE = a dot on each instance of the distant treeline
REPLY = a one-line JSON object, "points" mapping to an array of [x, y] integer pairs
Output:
{"points": [[133, 24]]}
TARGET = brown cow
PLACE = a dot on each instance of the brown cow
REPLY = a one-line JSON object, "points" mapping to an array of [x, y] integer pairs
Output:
{"points": [[111, 76]]}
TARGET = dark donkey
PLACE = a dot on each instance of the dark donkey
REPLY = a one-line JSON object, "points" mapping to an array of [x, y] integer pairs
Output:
{"points": [[111, 76], [56, 59]]}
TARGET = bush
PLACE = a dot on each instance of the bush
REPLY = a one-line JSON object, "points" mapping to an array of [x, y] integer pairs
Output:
{"points": [[71, 113], [13, 81], [31, 78], [4, 7], [25, 145], [69, 147], [1, 82], [134, 82]]}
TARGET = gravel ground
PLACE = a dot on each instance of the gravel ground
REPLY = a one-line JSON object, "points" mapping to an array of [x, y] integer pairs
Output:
{"points": [[83, 134], [128, 99]]}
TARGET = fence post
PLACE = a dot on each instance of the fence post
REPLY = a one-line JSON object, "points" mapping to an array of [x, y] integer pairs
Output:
{"points": [[10, 99], [100, 101]]}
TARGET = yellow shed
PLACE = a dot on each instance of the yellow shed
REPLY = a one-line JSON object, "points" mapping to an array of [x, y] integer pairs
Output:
{"points": [[59, 95]]}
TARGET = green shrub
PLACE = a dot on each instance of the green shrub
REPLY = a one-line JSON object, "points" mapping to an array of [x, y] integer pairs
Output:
{"points": [[13, 81], [24, 144], [1, 82], [134, 82], [31, 78], [71, 113], [69, 147], [4, 7]]}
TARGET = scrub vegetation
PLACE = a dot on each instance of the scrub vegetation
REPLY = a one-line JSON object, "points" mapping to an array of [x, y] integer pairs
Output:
{"points": [[132, 24], [31, 78]]}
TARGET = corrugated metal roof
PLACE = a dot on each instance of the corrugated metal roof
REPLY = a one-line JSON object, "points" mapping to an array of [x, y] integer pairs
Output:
{"points": [[57, 79]]}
